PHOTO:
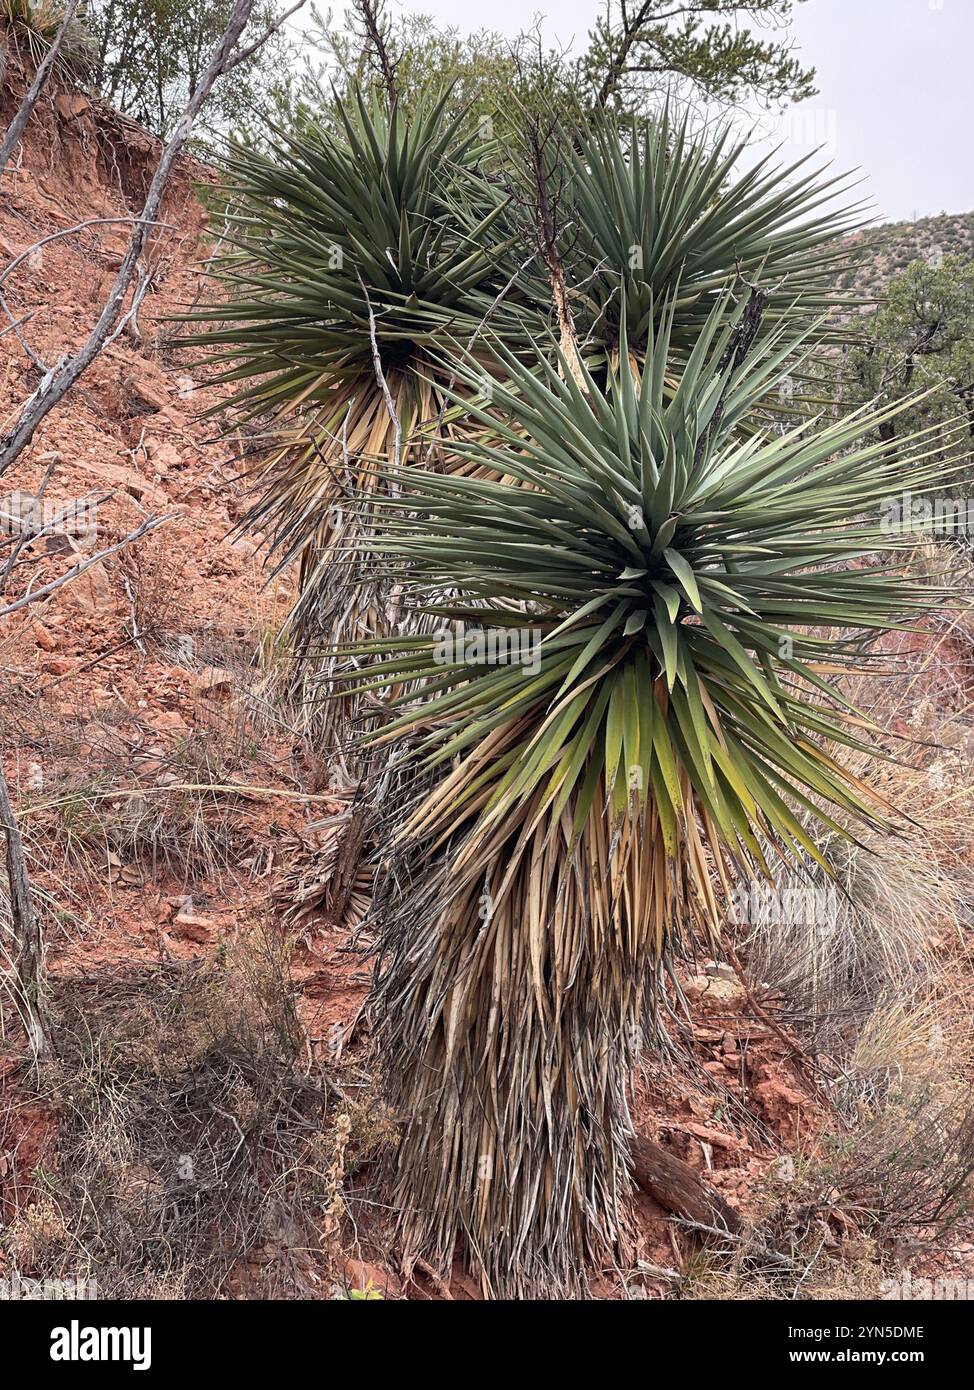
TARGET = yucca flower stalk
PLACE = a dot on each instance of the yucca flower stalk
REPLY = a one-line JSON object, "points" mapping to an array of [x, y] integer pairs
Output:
{"points": [[691, 598]]}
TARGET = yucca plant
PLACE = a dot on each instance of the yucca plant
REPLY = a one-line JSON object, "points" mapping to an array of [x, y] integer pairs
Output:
{"points": [[689, 597], [364, 245], [29, 28], [359, 248], [694, 575], [655, 208]]}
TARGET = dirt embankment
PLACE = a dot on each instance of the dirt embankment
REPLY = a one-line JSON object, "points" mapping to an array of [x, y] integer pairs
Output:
{"points": [[161, 791]]}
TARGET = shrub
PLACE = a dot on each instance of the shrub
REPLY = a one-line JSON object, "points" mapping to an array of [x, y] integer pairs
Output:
{"points": [[28, 29]]}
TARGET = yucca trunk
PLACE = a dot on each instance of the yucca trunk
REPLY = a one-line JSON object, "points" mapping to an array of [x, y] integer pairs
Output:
{"points": [[513, 994]]}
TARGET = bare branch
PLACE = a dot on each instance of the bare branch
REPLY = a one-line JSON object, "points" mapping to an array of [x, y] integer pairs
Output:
{"points": [[742, 340], [83, 565], [628, 36], [26, 537], [375, 33], [243, 54], [548, 231], [27, 968], [17, 323], [14, 326]]}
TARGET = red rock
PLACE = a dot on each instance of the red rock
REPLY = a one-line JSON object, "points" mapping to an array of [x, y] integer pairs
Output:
{"points": [[126, 479], [168, 721], [71, 105], [163, 457], [150, 393], [187, 924], [91, 591], [215, 680], [44, 638]]}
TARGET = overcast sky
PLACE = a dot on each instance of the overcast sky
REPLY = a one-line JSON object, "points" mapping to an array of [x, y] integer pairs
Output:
{"points": [[894, 76]]}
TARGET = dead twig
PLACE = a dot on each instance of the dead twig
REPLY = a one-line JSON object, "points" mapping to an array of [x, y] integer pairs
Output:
{"points": [[27, 958], [375, 32], [83, 565]]}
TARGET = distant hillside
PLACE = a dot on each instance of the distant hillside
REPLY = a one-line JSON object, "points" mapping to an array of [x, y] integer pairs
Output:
{"points": [[895, 244]]}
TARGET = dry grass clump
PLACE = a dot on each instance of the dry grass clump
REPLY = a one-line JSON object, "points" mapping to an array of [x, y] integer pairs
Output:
{"points": [[907, 1175], [197, 1154], [914, 1038], [817, 1265], [185, 820], [798, 1245], [37, 1236], [858, 943], [876, 985], [187, 828], [152, 578], [898, 1189], [28, 29], [856, 980], [907, 1171]]}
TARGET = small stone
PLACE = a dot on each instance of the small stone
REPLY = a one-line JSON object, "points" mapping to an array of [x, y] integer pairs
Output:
{"points": [[168, 721], [192, 926], [61, 665], [721, 971], [216, 680], [44, 638], [163, 456], [148, 393], [783, 1168]]}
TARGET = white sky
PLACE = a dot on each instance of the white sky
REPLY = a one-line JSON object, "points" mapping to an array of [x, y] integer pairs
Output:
{"points": [[895, 80]]}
